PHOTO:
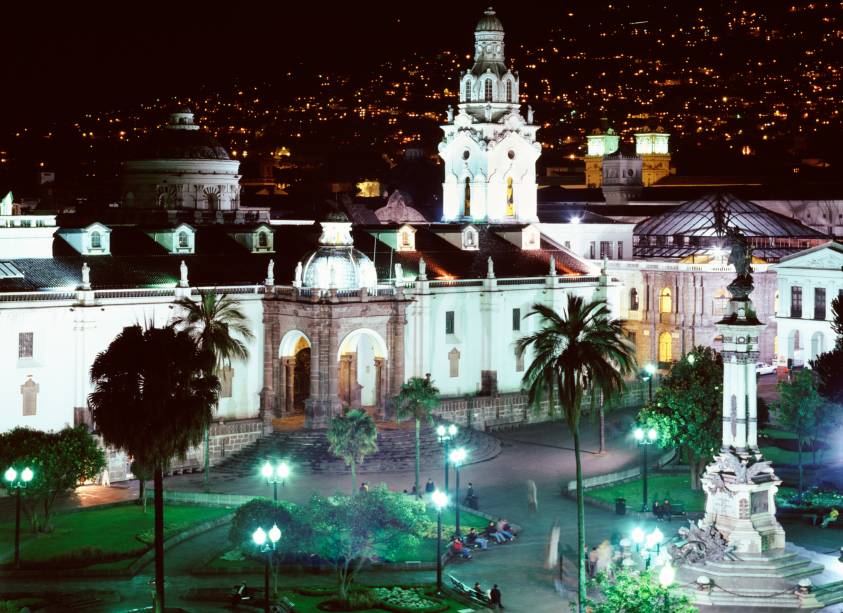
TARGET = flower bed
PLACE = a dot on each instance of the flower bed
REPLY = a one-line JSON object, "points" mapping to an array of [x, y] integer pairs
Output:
{"points": [[402, 600]]}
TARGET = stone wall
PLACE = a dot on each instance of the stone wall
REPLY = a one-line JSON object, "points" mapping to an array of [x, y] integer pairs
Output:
{"points": [[226, 438]]}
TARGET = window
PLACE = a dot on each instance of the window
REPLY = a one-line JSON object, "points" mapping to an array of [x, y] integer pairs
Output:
{"points": [[226, 375], [776, 303], [25, 344], [633, 299], [605, 249], [620, 250], [263, 240], [665, 347], [510, 198], [184, 241], [405, 239], [665, 302], [819, 303], [487, 85], [516, 319], [721, 302], [567, 244], [467, 198], [29, 392], [96, 240], [591, 249], [796, 301], [468, 91], [519, 362], [449, 322], [509, 91]]}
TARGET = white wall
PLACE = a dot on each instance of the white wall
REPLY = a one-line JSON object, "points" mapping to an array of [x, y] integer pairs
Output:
{"points": [[581, 235]]}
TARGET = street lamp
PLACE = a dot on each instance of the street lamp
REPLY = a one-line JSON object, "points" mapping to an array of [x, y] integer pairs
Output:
{"points": [[17, 481], [647, 375], [667, 576], [457, 457], [440, 501], [645, 439], [266, 543], [691, 359], [275, 475], [445, 436]]}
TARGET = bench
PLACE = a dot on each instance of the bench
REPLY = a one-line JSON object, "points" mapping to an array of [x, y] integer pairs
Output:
{"points": [[676, 510], [463, 590]]}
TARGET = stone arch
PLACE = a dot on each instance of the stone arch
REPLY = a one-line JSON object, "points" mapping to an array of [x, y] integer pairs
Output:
{"points": [[294, 354], [361, 358]]}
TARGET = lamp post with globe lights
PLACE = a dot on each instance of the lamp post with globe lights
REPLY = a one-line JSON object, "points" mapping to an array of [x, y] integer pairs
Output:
{"points": [[645, 439], [446, 434], [275, 475], [17, 481], [440, 501], [457, 458], [266, 542], [647, 375]]}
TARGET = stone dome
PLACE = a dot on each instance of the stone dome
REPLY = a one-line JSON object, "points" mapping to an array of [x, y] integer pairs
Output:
{"points": [[342, 267], [181, 145], [489, 22]]}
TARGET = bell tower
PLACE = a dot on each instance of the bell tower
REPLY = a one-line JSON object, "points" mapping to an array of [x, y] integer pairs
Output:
{"points": [[489, 147]]}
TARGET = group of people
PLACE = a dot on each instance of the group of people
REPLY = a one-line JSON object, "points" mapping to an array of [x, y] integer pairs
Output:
{"points": [[599, 559], [662, 510], [493, 597], [499, 531]]}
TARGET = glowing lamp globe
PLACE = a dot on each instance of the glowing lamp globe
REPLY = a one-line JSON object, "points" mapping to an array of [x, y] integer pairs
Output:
{"points": [[275, 533], [440, 430], [667, 575], [452, 430], [283, 470], [10, 475], [458, 455], [652, 434], [638, 434], [440, 499], [637, 536], [266, 471], [259, 537], [650, 368]]}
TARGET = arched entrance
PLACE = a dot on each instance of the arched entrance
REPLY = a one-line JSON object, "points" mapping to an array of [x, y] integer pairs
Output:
{"points": [[665, 347], [294, 373], [362, 369], [816, 345]]}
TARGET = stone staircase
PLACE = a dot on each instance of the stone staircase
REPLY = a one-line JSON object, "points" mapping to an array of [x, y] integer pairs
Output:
{"points": [[396, 451], [755, 583]]}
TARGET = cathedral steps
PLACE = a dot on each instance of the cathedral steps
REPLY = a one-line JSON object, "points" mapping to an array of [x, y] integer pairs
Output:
{"points": [[396, 451]]}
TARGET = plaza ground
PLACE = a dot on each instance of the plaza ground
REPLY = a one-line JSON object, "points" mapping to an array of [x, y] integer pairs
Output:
{"points": [[542, 452]]}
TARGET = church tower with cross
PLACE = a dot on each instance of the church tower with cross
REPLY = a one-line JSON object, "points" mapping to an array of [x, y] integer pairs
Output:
{"points": [[489, 147]]}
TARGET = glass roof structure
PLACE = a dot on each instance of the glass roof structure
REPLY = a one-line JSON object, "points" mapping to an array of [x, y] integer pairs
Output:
{"points": [[699, 226]]}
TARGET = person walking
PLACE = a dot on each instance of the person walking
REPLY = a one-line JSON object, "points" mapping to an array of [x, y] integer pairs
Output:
{"points": [[495, 598], [532, 496], [552, 558]]}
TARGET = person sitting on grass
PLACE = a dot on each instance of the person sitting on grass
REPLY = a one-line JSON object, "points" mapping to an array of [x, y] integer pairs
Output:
{"points": [[472, 538], [459, 549], [491, 531], [505, 529]]}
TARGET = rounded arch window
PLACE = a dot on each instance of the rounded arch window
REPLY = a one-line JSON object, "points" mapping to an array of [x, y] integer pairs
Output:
{"points": [[96, 240], [629, 172], [510, 154], [665, 302], [184, 241], [488, 90], [263, 239], [466, 154]]}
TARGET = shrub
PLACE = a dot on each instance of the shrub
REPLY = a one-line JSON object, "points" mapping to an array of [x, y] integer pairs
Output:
{"points": [[265, 513], [407, 599]]}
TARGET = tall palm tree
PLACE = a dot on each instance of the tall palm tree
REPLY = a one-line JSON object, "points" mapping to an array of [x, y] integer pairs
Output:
{"points": [[352, 437], [152, 398], [578, 349], [417, 399], [215, 322]]}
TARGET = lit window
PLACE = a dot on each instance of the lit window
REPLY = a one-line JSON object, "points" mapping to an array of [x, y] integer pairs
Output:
{"points": [[449, 322], [488, 90], [665, 302], [96, 240], [796, 301], [633, 299], [468, 91], [25, 344], [184, 241], [263, 240], [665, 347]]}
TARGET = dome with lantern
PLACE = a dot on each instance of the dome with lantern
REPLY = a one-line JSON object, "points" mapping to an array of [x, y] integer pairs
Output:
{"points": [[336, 263]]}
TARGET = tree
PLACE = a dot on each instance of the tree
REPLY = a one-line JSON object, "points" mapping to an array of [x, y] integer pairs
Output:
{"points": [[630, 592], [153, 398], [687, 407], [417, 399], [211, 320], [352, 437], [797, 408], [829, 365], [143, 473], [349, 531], [581, 348], [60, 461]]}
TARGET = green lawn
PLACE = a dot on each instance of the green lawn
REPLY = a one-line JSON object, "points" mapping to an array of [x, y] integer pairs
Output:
{"points": [[99, 536], [675, 487], [309, 604]]}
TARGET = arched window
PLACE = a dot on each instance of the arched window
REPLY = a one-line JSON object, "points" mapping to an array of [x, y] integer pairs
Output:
{"points": [[184, 241], [488, 89], [665, 301], [96, 240], [665, 347], [467, 198], [509, 91], [468, 91], [263, 240], [633, 299], [510, 198]]}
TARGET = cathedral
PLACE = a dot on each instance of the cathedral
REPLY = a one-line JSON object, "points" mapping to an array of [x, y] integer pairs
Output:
{"points": [[344, 313]]}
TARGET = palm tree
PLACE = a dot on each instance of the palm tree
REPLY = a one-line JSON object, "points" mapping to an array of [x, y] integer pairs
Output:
{"points": [[417, 399], [579, 349], [352, 437], [210, 321], [152, 398]]}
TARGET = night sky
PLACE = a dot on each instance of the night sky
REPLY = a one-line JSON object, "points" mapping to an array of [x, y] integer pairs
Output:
{"points": [[64, 61]]}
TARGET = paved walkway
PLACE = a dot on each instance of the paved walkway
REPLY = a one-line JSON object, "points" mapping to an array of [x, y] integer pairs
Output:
{"points": [[540, 452]]}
